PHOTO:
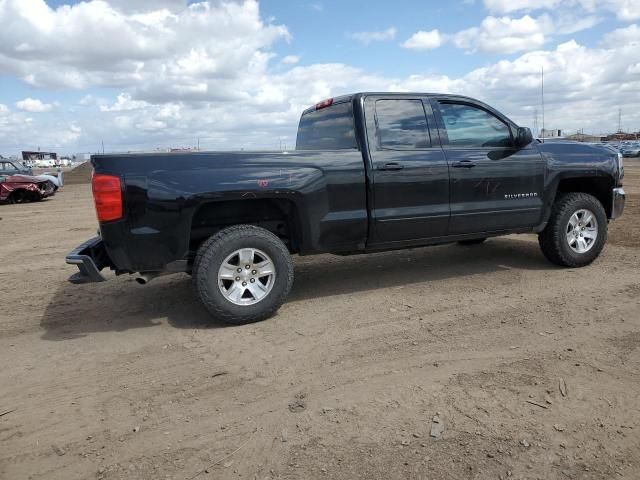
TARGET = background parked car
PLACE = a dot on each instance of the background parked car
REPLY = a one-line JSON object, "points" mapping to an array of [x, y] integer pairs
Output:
{"points": [[631, 150], [12, 167], [57, 181], [24, 188]]}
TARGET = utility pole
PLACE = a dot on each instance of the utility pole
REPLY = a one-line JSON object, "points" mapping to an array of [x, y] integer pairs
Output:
{"points": [[535, 122], [542, 95], [102, 142], [619, 120]]}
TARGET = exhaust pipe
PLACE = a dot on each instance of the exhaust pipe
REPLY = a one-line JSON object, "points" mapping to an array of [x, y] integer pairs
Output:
{"points": [[175, 267], [145, 278]]}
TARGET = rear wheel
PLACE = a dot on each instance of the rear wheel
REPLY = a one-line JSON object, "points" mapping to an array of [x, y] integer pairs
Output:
{"points": [[576, 232], [473, 241], [243, 274]]}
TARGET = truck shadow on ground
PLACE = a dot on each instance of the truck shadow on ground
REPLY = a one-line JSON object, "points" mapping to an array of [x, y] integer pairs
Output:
{"points": [[121, 304], [338, 275]]}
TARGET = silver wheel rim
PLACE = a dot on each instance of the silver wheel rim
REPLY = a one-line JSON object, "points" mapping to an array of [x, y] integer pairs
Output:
{"points": [[582, 231], [246, 276]]}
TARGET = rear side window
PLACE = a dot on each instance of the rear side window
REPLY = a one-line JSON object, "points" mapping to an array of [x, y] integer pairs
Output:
{"points": [[469, 126], [401, 125], [329, 128]]}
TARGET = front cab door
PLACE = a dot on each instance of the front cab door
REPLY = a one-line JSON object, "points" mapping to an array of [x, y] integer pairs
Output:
{"points": [[494, 186]]}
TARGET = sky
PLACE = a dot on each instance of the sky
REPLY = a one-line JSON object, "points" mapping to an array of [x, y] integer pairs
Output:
{"points": [[225, 74]]}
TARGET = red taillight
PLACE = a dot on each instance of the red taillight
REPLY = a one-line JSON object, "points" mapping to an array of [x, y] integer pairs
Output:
{"points": [[107, 194], [324, 104]]}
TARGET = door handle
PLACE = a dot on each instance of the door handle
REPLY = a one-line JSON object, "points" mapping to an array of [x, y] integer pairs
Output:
{"points": [[391, 166], [463, 164]]}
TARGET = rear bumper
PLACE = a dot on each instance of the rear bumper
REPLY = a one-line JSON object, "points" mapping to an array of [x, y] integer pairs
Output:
{"points": [[90, 258], [617, 207]]}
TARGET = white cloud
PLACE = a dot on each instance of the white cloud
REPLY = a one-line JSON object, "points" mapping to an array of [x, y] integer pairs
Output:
{"points": [[19, 131], [507, 35], [228, 96], [625, 10], [424, 40], [150, 124], [186, 52], [567, 22], [622, 36], [374, 36], [87, 100], [124, 103], [70, 135], [34, 105], [290, 59], [502, 35], [508, 6], [579, 92], [147, 5], [4, 110]]}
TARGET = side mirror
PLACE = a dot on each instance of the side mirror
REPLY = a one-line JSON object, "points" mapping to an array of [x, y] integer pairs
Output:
{"points": [[524, 137]]}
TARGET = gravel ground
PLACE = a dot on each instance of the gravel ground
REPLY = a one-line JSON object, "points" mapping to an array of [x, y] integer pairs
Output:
{"points": [[531, 370]]}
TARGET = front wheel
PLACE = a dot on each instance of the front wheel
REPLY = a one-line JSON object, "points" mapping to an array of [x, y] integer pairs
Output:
{"points": [[576, 232], [243, 274], [18, 196]]}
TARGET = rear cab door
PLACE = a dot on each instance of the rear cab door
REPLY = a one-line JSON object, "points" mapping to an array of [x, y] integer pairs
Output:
{"points": [[494, 186], [409, 192]]}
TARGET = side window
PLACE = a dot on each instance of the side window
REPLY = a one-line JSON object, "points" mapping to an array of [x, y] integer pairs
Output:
{"points": [[401, 125], [469, 126]]}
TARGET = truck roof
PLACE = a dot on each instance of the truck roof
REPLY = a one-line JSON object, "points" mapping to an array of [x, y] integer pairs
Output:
{"points": [[352, 96], [446, 96]]}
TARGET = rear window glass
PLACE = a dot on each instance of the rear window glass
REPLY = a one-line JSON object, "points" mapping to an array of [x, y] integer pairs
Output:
{"points": [[330, 128]]}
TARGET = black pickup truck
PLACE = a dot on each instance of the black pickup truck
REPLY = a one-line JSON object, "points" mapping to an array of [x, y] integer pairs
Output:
{"points": [[370, 172]]}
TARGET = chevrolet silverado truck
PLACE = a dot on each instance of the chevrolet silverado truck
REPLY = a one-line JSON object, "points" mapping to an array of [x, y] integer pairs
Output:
{"points": [[370, 172]]}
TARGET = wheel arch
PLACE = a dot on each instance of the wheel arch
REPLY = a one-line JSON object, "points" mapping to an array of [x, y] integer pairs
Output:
{"points": [[601, 187], [280, 216]]}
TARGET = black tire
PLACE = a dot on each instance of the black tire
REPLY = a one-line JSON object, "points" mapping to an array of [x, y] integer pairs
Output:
{"points": [[473, 241], [553, 239], [18, 196], [215, 251]]}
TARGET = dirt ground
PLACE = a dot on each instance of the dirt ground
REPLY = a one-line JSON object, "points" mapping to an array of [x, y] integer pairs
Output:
{"points": [[122, 381]]}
